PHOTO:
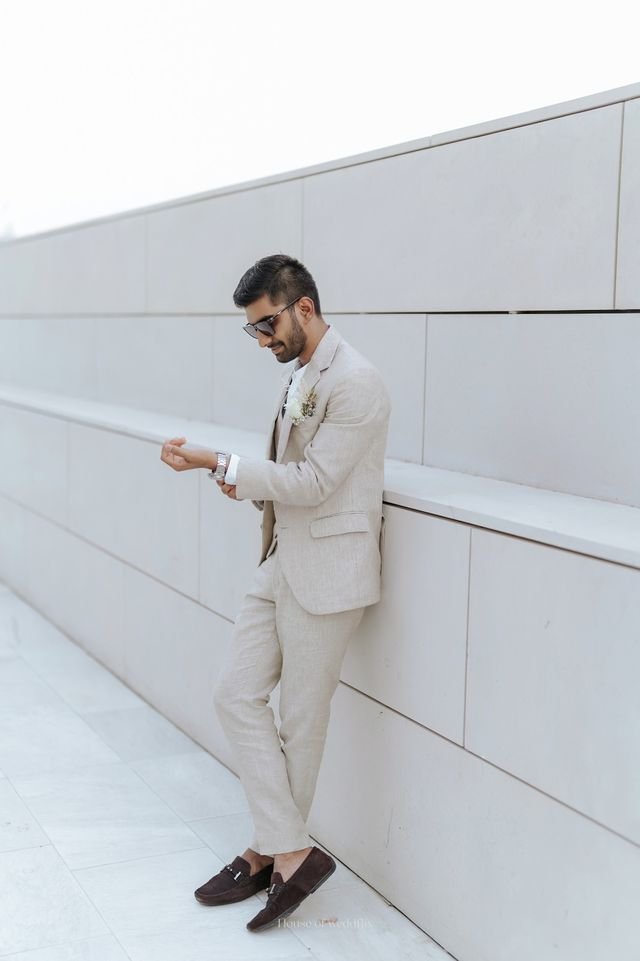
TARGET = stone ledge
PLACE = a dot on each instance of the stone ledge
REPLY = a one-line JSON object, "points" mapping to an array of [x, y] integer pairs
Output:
{"points": [[601, 529]]}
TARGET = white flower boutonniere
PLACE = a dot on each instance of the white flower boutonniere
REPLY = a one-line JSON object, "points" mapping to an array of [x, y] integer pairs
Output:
{"points": [[300, 408]]}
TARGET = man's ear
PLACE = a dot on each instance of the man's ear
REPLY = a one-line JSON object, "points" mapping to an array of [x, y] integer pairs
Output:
{"points": [[308, 311]]}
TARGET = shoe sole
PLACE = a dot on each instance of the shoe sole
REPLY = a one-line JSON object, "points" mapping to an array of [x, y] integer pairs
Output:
{"points": [[223, 899], [213, 904], [290, 910]]}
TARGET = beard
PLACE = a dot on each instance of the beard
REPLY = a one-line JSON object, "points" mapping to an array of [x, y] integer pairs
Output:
{"points": [[297, 343]]}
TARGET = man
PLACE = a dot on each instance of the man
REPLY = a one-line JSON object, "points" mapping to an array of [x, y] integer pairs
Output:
{"points": [[320, 491]]}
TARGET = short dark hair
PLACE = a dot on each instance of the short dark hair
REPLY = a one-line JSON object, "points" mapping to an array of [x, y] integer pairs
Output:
{"points": [[281, 277]]}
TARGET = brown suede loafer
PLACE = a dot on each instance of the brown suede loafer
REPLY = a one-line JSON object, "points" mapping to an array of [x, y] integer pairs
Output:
{"points": [[233, 883], [283, 897]]}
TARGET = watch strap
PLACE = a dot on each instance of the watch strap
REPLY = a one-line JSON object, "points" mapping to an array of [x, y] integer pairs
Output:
{"points": [[221, 467]]}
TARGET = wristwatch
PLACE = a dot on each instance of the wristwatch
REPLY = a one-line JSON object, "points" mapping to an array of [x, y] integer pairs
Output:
{"points": [[221, 467]]}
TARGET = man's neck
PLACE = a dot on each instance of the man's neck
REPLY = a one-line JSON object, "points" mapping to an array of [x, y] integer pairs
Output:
{"points": [[303, 362]]}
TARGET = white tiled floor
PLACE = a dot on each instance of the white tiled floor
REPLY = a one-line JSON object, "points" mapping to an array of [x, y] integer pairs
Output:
{"points": [[110, 817]]}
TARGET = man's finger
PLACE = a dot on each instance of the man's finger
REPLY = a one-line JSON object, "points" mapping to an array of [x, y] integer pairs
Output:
{"points": [[228, 489], [177, 463], [178, 452]]}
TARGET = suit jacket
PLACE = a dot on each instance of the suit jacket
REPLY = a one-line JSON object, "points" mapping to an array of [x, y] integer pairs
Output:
{"points": [[324, 483]]}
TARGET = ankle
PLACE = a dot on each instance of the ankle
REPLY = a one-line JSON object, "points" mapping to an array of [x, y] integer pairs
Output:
{"points": [[253, 857], [292, 855]]}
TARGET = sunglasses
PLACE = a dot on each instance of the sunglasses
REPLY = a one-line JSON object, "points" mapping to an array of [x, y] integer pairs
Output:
{"points": [[266, 325]]}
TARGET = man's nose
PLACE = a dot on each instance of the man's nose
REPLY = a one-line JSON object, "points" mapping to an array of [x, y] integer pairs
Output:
{"points": [[263, 339]]}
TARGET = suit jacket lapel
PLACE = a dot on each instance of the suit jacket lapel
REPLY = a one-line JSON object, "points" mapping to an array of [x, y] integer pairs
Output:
{"points": [[270, 451], [319, 361], [310, 377]]}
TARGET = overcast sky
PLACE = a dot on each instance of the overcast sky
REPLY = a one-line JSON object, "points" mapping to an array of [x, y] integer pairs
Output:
{"points": [[109, 105]]}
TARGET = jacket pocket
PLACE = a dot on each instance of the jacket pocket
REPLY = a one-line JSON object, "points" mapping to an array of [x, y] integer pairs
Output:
{"points": [[342, 523]]}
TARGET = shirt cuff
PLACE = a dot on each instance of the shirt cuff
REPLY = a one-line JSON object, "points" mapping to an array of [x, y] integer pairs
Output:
{"points": [[232, 467]]}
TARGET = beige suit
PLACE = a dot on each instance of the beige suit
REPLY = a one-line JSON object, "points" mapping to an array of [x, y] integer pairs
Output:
{"points": [[320, 491]]}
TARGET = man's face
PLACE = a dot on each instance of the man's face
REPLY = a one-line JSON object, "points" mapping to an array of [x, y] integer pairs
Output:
{"points": [[289, 339]]}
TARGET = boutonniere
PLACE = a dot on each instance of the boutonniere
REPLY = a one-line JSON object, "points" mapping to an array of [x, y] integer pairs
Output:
{"points": [[300, 408]]}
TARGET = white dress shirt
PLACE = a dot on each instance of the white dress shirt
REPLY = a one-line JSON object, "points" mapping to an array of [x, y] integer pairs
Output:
{"points": [[232, 467]]}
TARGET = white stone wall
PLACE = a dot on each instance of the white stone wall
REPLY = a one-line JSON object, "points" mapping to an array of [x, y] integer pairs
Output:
{"points": [[481, 768]]}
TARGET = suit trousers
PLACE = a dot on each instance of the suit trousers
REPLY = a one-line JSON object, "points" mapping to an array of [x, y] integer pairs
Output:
{"points": [[275, 639]]}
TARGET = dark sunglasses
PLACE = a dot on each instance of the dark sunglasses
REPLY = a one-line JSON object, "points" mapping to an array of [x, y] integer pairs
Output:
{"points": [[266, 326]]}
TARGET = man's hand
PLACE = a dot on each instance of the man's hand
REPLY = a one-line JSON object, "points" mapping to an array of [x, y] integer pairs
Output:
{"points": [[228, 489], [174, 454]]}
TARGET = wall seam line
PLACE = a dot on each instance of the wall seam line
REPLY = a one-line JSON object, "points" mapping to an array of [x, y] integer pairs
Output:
{"points": [[466, 655], [423, 452], [617, 232], [496, 767]]}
